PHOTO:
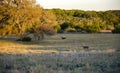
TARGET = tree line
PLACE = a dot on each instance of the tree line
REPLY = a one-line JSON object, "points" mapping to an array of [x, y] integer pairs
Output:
{"points": [[89, 21], [22, 16]]}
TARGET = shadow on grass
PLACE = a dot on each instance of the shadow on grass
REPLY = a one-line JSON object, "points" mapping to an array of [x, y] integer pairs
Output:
{"points": [[14, 41]]}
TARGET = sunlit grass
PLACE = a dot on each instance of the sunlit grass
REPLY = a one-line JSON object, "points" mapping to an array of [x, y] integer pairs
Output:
{"points": [[7, 43], [24, 51], [8, 47], [14, 47]]}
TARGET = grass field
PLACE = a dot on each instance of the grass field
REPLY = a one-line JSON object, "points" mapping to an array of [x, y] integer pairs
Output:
{"points": [[56, 55]]}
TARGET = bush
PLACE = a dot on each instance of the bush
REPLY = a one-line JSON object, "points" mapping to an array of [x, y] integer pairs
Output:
{"points": [[77, 27], [49, 30], [94, 28], [60, 31], [69, 29], [64, 25], [57, 27], [117, 29], [25, 39]]}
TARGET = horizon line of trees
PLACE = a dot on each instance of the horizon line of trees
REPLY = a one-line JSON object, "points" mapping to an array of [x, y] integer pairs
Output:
{"points": [[89, 21]]}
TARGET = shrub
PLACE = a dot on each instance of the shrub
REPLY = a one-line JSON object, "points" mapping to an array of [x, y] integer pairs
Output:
{"points": [[64, 25], [117, 29], [57, 27], [78, 28], [69, 29], [47, 30], [60, 31], [25, 39], [92, 28]]}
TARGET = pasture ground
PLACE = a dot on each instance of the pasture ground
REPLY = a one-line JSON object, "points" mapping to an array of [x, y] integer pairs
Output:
{"points": [[56, 55]]}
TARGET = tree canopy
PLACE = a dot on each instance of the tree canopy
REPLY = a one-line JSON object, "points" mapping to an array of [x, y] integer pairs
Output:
{"points": [[90, 21], [20, 16]]}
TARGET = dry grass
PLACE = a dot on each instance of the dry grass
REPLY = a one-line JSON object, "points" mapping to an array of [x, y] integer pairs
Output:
{"points": [[10, 47], [4, 43], [24, 51], [54, 55]]}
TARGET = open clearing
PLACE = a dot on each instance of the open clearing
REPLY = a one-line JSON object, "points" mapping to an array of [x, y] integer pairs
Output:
{"points": [[56, 55]]}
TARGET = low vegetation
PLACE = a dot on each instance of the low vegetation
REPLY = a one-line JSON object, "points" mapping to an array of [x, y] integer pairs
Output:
{"points": [[89, 21], [24, 25], [57, 55], [117, 29]]}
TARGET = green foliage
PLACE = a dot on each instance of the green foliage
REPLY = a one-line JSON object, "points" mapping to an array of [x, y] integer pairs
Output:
{"points": [[78, 28], [78, 13], [94, 25], [90, 21], [57, 27], [111, 18], [117, 29], [64, 25], [69, 29]]}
